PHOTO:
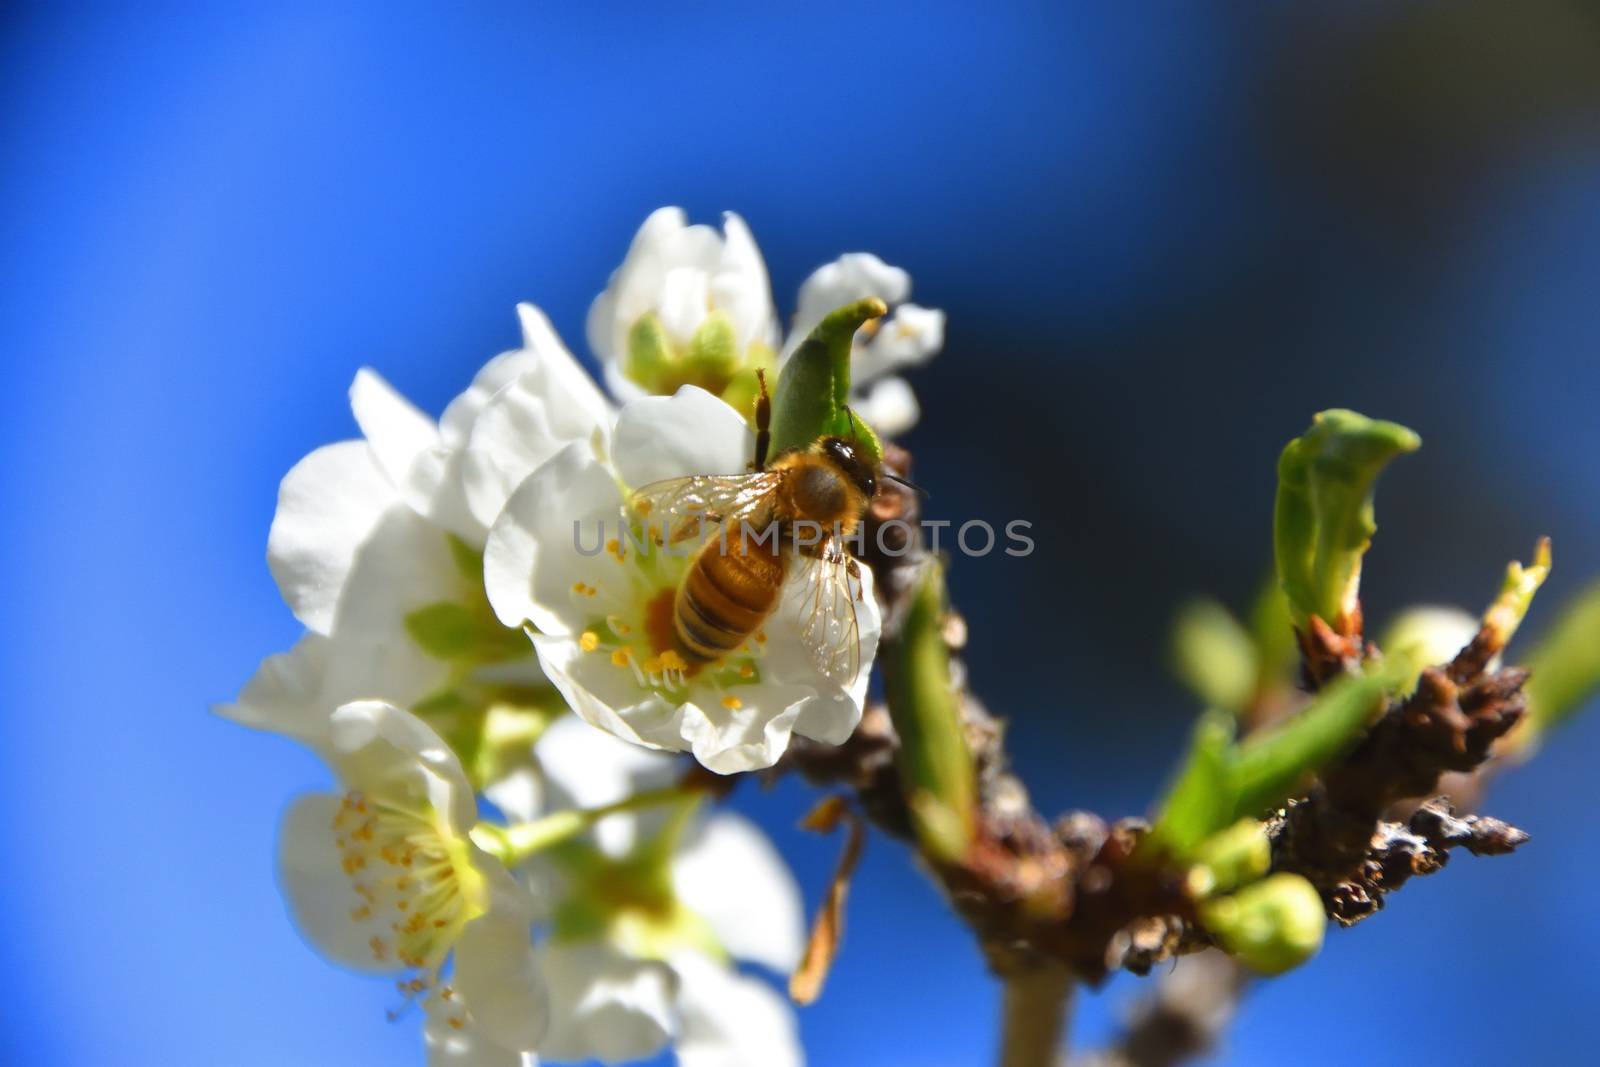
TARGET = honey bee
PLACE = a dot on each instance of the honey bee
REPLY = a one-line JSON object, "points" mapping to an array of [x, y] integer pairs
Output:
{"points": [[795, 512]]}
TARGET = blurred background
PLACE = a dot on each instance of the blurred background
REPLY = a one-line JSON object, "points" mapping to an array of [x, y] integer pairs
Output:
{"points": [[1165, 235]]}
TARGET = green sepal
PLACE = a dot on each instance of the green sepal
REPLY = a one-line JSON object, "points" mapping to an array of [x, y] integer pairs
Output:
{"points": [[1270, 926], [455, 632], [1323, 521], [468, 560], [813, 393], [1214, 656], [444, 630], [935, 763]]}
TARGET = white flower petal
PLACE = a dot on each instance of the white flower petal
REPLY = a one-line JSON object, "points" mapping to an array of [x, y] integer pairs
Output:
{"points": [[888, 405], [495, 968], [378, 745], [633, 284], [519, 794], [396, 430], [328, 505], [552, 404], [587, 767], [294, 693], [685, 296], [531, 560], [732, 1020], [730, 875], [284, 695], [830, 712], [750, 738], [740, 286], [607, 698], [681, 273], [691, 432], [462, 1044], [538, 337], [317, 890], [404, 564], [605, 1006], [853, 276], [910, 336]]}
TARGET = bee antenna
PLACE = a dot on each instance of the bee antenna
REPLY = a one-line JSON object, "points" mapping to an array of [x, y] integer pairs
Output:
{"points": [[908, 483]]}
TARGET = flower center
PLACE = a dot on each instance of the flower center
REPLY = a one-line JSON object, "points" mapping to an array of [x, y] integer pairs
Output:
{"points": [[412, 878]]}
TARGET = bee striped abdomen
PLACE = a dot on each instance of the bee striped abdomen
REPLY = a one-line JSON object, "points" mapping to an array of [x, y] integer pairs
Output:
{"points": [[725, 597]]}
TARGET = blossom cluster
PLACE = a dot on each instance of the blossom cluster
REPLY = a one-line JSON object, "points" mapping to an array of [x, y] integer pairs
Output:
{"points": [[510, 836]]}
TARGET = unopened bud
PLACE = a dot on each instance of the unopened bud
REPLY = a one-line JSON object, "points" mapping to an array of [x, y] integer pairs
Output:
{"points": [[1236, 856], [1272, 926]]}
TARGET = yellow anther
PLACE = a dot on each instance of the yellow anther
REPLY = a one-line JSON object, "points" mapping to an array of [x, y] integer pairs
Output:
{"points": [[589, 641], [614, 547], [620, 657], [747, 670], [671, 661], [732, 703]]}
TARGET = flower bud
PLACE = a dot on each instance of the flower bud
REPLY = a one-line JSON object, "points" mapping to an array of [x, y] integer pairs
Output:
{"points": [[1236, 856], [1272, 926], [1425, 637]]}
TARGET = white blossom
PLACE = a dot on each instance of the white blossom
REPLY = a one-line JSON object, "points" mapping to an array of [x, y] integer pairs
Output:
{"points": [[651, 961], [682, 275], [386, 879], [375, 546], [679, 276], [601, 622]]}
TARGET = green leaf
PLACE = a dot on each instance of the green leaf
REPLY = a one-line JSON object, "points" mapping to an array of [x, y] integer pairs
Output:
{"points": [[1222, 782], [1271, 766], [1271, 926], [936, 769], [1565, 665], [1198, 805], [1214, 656], [1272, 631], [1516, 594], [813, 392], [1323, 520]]}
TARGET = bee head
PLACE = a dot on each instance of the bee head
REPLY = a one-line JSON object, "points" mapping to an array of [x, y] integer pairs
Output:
{"points": [[846, 455]]}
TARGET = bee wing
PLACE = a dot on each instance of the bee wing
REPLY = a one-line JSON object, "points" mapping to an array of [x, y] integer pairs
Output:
{"points": [[828, 587], [678, 506]]}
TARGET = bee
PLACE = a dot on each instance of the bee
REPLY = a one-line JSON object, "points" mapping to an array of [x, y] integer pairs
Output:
{"points": [[792, 515]]}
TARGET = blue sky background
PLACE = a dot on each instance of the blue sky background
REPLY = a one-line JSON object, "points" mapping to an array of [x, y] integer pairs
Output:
{"points": [[1165, 234]]}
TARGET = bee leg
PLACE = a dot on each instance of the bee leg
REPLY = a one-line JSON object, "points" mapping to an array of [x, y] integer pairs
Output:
{"points": [[763, 422], [853, 569]]}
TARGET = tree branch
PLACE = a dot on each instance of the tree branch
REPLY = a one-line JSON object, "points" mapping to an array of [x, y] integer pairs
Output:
{"points": [[1035, 1014]]}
